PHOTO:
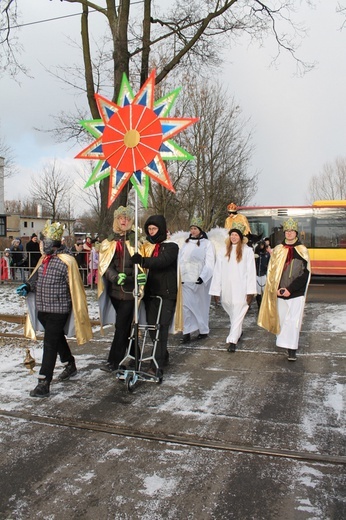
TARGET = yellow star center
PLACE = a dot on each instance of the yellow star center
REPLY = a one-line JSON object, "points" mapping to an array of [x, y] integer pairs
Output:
{"points": [[132, 138]]}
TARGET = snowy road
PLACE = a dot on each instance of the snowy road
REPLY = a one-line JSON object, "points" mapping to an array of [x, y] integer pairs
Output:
{"points": [[242, 406]]}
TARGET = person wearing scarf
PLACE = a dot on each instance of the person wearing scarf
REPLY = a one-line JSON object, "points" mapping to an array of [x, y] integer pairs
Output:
{"points": [[116, 283], [159, 258], [283, 302], [57, 305], [196, 263]]}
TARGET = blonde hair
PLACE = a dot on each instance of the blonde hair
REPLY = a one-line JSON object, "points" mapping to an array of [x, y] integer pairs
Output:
{"points": [[238, 252]]}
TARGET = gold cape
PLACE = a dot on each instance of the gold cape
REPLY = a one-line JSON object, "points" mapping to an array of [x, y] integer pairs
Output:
{"points": [[106, 253], [78, 323], [238, 218], [268, 316], [146, 249]]}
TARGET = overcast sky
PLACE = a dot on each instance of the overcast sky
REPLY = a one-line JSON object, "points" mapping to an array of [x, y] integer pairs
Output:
{"points": [[298, 123]]}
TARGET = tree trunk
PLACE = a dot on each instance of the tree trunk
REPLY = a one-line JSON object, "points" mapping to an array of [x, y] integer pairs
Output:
{"points": [[146, 41]]}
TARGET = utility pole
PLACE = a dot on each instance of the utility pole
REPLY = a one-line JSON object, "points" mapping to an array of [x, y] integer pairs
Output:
{"points": [[2, 186]]}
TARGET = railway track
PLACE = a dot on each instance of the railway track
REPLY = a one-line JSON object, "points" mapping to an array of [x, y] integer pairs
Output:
{"points": [[193, 441]]}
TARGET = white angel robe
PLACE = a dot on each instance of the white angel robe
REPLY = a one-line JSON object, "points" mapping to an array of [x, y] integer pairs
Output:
{"points": [[196, 262], [233, 281]]}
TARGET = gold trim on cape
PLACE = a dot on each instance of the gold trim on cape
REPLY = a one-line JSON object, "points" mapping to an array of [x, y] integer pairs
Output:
{"points": [[80, 317], [268, 317], [146, 250]]}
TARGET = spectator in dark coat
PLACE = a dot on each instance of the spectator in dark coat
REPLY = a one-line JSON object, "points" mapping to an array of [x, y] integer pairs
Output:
{"points": [[262, 257], [18, 259], [33, 252]]}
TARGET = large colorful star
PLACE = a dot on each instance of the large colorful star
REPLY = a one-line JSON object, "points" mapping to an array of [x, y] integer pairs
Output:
{"points": [[133, 138]]}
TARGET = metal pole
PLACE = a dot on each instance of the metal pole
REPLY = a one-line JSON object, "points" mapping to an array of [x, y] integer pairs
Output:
{"points": [[136, 288], [2, 186]]}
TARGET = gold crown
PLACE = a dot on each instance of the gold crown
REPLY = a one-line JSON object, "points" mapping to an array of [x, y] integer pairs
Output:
{"points": [[290, 224], [232, 207], [197, 222], [127, 212], [239, 226], [53, 230]]}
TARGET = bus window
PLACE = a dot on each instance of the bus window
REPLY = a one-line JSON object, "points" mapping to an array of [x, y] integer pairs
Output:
{"points": [[329, 233], [260, 226]]}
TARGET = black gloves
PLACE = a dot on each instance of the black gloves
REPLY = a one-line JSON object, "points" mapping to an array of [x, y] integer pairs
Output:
{"points": [[137, 259], [199, 281]]}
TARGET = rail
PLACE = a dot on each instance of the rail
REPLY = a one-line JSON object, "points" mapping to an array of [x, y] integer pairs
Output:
{"points": [[191, 440]]}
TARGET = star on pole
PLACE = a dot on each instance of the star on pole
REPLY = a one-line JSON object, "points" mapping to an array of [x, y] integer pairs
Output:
{"points": [[133, 138]]}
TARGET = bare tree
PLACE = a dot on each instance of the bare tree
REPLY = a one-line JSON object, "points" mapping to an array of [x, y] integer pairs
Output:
{"points": [[177, 34], [330, 184], [10, 45], [221, 144], [13, 206], [7, 153], [52, 189], [91, 218]]}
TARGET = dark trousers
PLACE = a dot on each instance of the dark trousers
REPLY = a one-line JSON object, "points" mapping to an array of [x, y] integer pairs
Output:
{"points": [[152, 306], [54, 342], [124, 316]]}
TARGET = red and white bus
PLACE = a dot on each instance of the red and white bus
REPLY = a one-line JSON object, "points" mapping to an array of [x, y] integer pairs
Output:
{"points": [[322, 229]]}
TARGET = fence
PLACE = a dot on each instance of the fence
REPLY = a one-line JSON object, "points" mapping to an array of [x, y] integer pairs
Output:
{"points": [[10, 273]]}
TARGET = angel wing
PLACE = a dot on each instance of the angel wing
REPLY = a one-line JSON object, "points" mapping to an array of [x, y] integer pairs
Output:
{"points": [[179, 238], [217, 237]]}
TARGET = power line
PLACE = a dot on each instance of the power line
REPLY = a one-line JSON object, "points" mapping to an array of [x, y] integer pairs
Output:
{"points": [[57, 18], [46, 20]]}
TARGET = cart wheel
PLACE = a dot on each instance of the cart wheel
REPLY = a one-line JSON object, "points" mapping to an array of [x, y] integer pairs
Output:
{"points": [[130, 383]]}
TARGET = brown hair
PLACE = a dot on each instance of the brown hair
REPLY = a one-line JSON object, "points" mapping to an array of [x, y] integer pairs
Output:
{"points": [[239, 250]]}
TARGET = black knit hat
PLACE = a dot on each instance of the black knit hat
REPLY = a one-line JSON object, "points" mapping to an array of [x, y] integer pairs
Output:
{"points": [[160, 222]]}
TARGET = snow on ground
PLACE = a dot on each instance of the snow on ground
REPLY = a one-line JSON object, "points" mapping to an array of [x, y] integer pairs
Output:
{"points": [[12, 354]]}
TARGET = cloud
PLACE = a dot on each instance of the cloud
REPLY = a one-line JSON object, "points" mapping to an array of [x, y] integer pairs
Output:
{"points": [[298, 122]]}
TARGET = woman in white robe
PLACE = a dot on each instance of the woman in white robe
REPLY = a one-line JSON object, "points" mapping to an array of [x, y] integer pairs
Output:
{"points": [[196, 261], [234, 282]]}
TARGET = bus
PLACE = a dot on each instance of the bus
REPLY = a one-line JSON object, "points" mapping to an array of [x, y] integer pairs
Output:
{"points": [[322, 229]]}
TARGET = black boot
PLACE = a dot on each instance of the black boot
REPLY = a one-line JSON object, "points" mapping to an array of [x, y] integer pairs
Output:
{"points": [[258, 300], [232, 347], [292, 355], [186, 338], [69, 371], [41, 390]]}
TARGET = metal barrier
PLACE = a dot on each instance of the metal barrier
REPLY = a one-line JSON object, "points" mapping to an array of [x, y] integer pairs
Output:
{"points": [[15, 274]]}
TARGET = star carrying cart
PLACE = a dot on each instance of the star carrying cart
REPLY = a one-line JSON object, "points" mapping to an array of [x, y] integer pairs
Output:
{"points": [[132, 140], [143, 352]]}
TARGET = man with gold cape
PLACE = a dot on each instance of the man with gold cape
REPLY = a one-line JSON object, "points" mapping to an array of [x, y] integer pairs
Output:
{"points": [[56, 304], [283, 302], [116, 284]]}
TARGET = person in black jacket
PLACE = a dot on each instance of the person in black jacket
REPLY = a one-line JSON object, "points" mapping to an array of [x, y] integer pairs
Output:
{"points": [[116, 282], [262, 257], [160, 258], [17, 259], [33, 250]]}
